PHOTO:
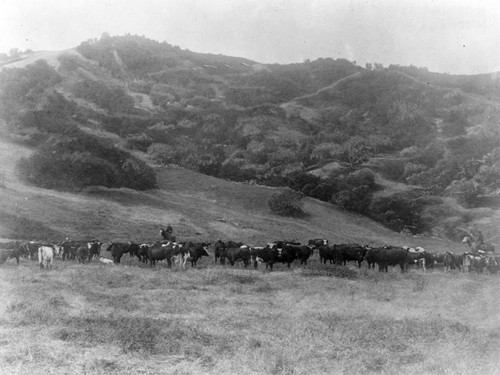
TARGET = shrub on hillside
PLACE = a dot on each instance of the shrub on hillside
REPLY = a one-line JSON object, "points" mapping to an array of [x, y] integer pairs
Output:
{"points": [[112, 98], [361, 177], [356, 199], [74, 163], [393, 169], [429, 155], [404, 211], [454, 228], [139, 142], [465, 192], [24, 86], [354, 191], [287, 203]]}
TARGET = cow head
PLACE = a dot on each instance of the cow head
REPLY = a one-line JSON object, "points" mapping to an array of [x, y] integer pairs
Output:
{"points": [[57, 249]]}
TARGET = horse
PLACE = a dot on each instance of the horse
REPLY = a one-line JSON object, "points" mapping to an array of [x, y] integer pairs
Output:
{"points": [[46, 255], [475, 246]]}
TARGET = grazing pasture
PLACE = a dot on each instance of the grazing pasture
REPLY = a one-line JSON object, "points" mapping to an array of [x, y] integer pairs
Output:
{"points": [[317, 319]]}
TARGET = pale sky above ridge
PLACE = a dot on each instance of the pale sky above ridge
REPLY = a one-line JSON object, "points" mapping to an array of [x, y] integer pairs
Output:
{"points": [[457, 37]]}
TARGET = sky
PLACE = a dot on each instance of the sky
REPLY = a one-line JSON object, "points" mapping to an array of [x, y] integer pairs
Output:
{"points": [[447, 36]]}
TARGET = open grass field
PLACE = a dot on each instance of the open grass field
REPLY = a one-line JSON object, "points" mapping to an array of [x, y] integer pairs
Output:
{"points": [[130, 319]]}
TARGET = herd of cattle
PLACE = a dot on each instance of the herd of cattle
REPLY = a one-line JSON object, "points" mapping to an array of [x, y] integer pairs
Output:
{"points": [[285, 252]]}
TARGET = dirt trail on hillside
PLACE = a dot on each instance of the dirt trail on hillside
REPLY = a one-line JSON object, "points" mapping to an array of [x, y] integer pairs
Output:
{"points": [[326, 88]]}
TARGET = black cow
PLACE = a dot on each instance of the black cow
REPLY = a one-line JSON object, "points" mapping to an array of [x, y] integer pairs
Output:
{"points": [[452, 261], [159, 251], [69, 248], [414, 257], [196, 251], [142, 253], [438, 258], [220, 251], [350, 252], [30, 248], [316, 243], [328, 253], [387, 256], [422, 260], [83, 253], [430, 259], [119, 248], [302, 252], [268, 255], [11, 249], [288, 254], [238, 254], [221, 247], [473, 262], [94, 249]]}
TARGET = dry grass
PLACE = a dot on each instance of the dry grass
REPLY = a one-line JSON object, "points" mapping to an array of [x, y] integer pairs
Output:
{"points": [[214, 320]]}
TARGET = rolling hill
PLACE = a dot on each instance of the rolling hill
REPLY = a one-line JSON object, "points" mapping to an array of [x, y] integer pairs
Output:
{"points": [[118, 136], [199, 207]]}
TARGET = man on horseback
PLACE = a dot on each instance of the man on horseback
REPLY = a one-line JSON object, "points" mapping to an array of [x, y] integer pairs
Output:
{"points": [[475, 240], [167, 233], [477, 235]]}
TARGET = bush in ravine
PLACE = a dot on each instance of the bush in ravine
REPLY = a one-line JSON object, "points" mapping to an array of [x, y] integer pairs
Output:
{"points": [[69, 163], [287, 203]]}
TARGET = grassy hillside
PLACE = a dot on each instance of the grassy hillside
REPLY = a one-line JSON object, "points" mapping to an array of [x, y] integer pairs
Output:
{"points": [[199, 207], [106, 112]]}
